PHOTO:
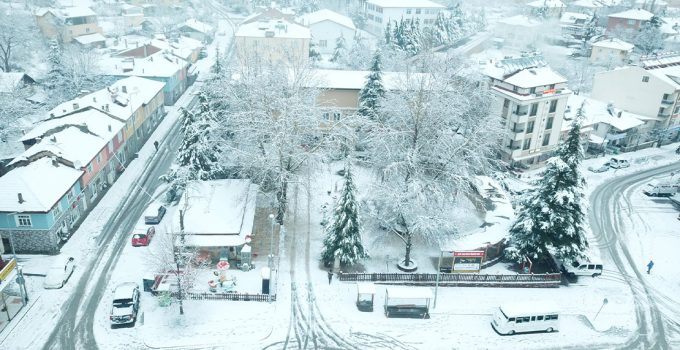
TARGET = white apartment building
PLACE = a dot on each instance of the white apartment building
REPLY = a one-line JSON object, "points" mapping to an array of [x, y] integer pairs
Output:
{"points": [[326, 27], [273, 42], [531, 99], [650, 89], [381, 12]]}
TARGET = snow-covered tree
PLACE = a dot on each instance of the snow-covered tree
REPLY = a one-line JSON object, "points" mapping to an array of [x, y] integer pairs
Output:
{"points": [[307, 6], [270, 125], [373, 90], [14, 106], [340, 51], [55, 75], [314, 54], [360, 54], [432, 135], [649, 39], [217, 67], [16, 34], [343, 233], [357, 14], [552, 217], [198, 155]]}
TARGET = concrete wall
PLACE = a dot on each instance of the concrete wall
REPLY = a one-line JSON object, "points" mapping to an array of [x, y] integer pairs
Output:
{"points": [[626, 90]]}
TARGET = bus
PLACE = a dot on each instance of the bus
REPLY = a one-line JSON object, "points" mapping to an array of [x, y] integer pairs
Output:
{"points": [[525, 317]]}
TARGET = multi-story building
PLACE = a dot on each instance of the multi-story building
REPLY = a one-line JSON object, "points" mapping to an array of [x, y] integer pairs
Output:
{"points": [[611, 52], [326, 27], [380, 12], [71, 157], [273, 42], [68, 23], [650, 89], [531, 99]]}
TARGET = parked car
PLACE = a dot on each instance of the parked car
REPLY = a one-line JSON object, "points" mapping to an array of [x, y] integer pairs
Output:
{"points": [[618, 163], [661, 189], [154, 214], [125, 304], [602, 168], [142, 236], [59, 273]]}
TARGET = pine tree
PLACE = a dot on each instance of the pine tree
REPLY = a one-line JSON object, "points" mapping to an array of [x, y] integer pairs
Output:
{"points": [[373, 90], [343, 233], [552, 218], [55, 76], [388, 34], [314, 54], [340, 51], [440, 31]]}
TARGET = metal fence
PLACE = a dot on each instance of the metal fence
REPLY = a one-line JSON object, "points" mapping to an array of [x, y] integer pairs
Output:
{"points": [[548, 280], [228, 296]]}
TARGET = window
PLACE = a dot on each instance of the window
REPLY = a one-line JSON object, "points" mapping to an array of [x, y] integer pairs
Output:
{"points": [[534, 109], [666, 96], [539, 318], [549, 124], [532, 90], [530, 127], [553, 106], [120, 137], [99, 158], [69, 195], [551, 87], [546, 139], [56, 211], [533, 318], [645, 79], [23, 221], [631, 22], [525, 319], [506, 103], [661, 111], [511, 319], [326, 116], [417, 11], [110, 147], [89, 168], [87, 30], [336, 116], [323, 43], [408, 11], [526, 145]]}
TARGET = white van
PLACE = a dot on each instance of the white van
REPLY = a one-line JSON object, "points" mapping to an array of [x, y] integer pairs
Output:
{"points": [[526, 317], [660, 189], [582, 268]]}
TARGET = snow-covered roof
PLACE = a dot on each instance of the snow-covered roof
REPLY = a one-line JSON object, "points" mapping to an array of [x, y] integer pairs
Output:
{"points": [[11, 81], [520, 21], [40, 183], [355, 79], [533, 77], [77, 138], [405, 3], [280, 29], [596, 111], [113, 100], [529, 308], [591, 4], [197, 26], [635, 14], [327, 15], [614, 43], [572, 17], [220, 212], [546, 3], [161, 64], [67, 12], [90, 38], [409, 292], [182, 47], [94, 120]]}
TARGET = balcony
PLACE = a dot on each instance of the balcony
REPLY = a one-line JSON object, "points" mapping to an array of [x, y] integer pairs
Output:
{"points": [[519, 117], [513, 147], [667, 102]]}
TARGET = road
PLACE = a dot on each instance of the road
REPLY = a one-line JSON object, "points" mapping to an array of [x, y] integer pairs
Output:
{"points": [[606, 218], [74, 328]]}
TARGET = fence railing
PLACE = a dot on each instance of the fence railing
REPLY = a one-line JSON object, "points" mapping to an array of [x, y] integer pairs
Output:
{"points": [[458, 279], [228, 296]]}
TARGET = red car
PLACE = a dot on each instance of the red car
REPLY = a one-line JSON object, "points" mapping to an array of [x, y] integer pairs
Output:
{"points": [[142, 237]]}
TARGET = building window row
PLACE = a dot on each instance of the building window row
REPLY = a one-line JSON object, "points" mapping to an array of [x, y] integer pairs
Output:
{"points": [[24, 221]]}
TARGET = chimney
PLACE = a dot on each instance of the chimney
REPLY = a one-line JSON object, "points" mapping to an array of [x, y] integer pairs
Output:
{"points": [[51, 115], [107, 107], [75, 106], [55, 162], [125, 41], [109, 127], [619, 115], [54, 139], [124, 89], [20, 197], [94, 98]]}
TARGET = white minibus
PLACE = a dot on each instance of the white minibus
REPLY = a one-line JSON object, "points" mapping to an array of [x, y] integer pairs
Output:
{"points": [[525, 317]]}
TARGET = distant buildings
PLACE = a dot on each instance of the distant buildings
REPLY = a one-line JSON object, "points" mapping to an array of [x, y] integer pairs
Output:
{"points": [[547, 8], [381, 12], [197, 30], [531, 99], [628, 21], [68, 23], [326, 27], [518, 32], [610, 51], [272, 42]]}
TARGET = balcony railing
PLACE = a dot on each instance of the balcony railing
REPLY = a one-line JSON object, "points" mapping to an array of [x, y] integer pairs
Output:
{"points": [[667, 102], [513, 147]]}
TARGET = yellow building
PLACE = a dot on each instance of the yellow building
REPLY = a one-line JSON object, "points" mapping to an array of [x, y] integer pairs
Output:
{"points": [[67, 23]]}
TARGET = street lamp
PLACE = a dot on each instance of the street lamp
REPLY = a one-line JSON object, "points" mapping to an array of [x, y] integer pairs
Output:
{"points": [[271, 253]]}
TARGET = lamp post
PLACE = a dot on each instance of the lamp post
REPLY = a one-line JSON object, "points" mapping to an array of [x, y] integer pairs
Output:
{"points": [[271, 253]]}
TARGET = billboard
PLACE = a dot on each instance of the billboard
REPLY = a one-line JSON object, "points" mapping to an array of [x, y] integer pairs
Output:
{"points": [[467, 261]]}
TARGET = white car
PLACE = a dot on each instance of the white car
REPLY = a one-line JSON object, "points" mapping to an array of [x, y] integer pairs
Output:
{"points": [[59, 273], [599, 169], [618, 163]]}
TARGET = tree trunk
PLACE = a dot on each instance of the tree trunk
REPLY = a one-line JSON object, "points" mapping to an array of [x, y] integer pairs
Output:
{"points": [[407, 258], [282, 198]]}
